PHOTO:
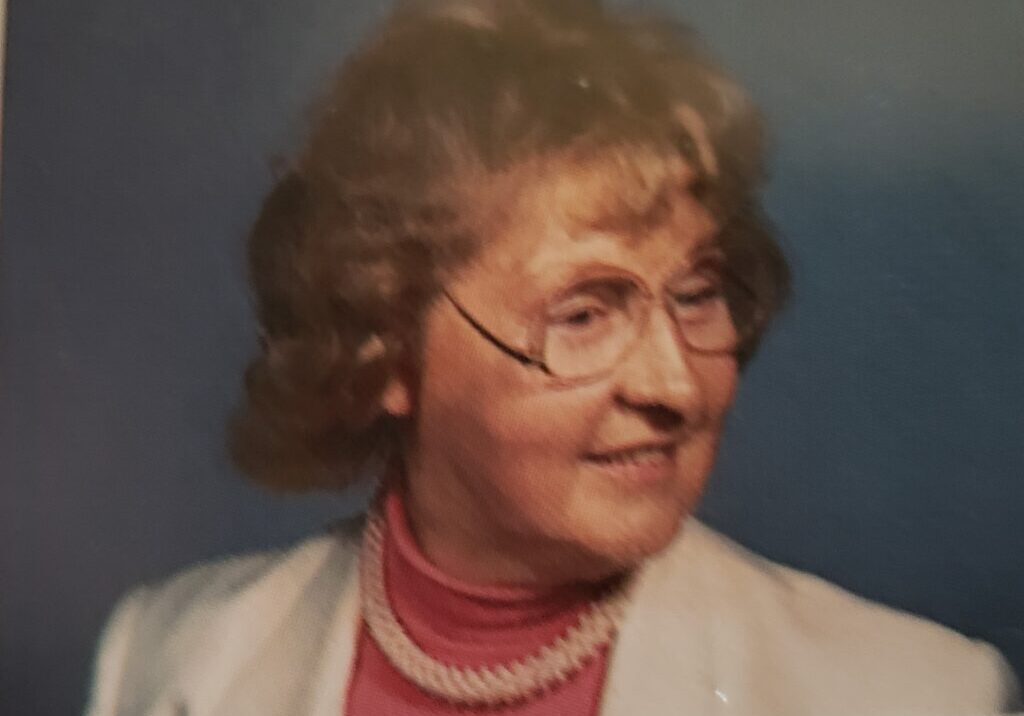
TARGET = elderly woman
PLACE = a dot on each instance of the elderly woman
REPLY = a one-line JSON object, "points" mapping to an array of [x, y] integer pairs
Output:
{"points": [[514, 277]]}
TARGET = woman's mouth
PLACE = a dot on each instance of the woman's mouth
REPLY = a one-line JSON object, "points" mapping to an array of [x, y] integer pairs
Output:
{"points": [[640, 466]]}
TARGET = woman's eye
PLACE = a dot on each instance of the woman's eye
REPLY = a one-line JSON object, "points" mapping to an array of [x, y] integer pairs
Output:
{"points": [[579, 317], [699, 297]]}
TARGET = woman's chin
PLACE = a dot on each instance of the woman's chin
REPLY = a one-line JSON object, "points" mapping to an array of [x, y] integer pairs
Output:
{"points": [[624, 542]]}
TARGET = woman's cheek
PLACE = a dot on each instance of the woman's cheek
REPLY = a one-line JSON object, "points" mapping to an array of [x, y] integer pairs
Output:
{"points": [[558, 426]]}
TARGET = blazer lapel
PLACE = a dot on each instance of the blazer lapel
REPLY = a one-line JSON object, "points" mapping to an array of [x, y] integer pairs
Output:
{"points": [[328, 687], [662, 659], [292, 645]]}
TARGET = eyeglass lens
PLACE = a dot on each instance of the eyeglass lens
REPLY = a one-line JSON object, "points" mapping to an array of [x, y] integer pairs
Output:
{"points": [[590, 328]]}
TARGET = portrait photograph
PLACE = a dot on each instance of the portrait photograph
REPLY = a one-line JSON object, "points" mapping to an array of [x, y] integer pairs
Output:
{"points": [[511, 357]]}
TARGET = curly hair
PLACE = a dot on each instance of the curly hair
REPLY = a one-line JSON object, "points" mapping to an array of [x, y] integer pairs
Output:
{"points": [[395, 186]]}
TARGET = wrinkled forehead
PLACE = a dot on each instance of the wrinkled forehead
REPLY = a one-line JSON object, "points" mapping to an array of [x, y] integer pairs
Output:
{"points": [[629, 209]]}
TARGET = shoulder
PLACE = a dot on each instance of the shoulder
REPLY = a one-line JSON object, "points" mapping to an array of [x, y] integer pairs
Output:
{"points": [[840, 642], [208, 612], [200, 596]]}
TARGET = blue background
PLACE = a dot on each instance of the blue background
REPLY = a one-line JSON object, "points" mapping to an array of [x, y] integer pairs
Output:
{"points": [[878, 440]]}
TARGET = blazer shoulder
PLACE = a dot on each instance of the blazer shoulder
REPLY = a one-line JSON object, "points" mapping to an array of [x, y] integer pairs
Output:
{"points": [[839, 638], [210, 587], [160, 630]]}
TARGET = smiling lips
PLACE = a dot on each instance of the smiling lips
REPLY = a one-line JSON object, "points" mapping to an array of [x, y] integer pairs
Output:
{"points": [[638, 466]]}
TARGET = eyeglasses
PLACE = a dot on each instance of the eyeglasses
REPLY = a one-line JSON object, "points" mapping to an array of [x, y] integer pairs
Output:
{"points": [[584, 332]]}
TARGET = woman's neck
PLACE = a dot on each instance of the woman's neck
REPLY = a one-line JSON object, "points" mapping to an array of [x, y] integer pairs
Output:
{"points": [[468, 545]]}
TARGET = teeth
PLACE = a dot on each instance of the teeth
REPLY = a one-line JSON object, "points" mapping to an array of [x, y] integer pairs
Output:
{"points": [[633, 456]]}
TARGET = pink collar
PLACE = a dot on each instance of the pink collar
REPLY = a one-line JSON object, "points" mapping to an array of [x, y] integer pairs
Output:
{"points": [[466, 623]]}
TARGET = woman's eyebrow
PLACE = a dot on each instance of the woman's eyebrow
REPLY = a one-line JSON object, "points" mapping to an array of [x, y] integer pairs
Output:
{"points": [[569, 276], [704, 250], [705, 241], [564, 276]]}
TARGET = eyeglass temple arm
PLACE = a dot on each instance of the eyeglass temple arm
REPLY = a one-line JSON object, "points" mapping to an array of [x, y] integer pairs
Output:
{"points": [[494, 340]]}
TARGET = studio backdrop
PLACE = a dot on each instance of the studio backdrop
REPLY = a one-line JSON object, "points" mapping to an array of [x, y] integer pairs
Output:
{"points": [[878, 440]]}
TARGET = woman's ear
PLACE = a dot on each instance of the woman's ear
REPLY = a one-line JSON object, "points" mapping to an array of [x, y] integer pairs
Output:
{"points": [[396, 398]]}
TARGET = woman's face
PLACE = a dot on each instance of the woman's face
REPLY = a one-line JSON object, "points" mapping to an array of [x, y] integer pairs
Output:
{"points": [[513, 477]]}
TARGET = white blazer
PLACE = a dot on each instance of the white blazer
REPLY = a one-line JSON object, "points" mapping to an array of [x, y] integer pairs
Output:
{"points": [[712, 629]]}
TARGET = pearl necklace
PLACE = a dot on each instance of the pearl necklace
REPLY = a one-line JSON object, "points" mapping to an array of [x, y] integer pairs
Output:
{"points": [[550, 665]]}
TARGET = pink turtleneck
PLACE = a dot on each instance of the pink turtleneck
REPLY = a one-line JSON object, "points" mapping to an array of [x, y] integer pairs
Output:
{"points": [[467, 625]]}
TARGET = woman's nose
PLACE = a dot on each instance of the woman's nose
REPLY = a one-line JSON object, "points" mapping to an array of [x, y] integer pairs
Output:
{"points": [[658, 376]]}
